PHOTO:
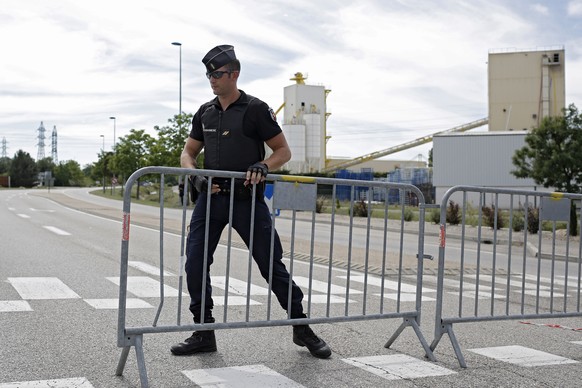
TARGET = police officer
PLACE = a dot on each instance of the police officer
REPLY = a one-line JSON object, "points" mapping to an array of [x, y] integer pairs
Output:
{"points": [[232, 128]]}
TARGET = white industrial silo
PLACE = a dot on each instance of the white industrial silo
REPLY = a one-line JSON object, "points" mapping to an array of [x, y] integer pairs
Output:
{"points": [[304, 125]]}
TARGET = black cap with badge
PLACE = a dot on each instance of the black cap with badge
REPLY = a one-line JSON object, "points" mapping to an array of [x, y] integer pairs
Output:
{"points": [[218, 57]]}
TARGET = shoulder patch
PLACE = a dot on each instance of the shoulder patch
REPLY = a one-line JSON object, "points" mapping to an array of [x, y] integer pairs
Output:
{"points": [[273, 116]]}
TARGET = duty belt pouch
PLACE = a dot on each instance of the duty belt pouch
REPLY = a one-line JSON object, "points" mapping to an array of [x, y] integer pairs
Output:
{"points": [[193, 192]]}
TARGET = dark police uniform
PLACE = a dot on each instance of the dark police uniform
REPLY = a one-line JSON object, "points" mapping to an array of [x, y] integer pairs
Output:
{"points": [[234, 140]]}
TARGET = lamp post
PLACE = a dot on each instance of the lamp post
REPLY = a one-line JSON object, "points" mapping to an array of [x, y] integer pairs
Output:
{"points": [[114, 137], [103, 160], [113, 148], [180, 101]]}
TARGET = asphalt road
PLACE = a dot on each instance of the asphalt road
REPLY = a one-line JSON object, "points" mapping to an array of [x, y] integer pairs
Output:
{"points": [[59, 262]]}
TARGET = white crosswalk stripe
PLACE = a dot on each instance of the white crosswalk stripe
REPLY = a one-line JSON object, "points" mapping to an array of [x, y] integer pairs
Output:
{"points": [[398, 366], [78, 382], [42, 288], [248, 376], [522, 356]]}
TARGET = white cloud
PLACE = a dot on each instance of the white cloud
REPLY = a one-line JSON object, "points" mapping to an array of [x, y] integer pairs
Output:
{"points": [[397, 70], [575, 8]]}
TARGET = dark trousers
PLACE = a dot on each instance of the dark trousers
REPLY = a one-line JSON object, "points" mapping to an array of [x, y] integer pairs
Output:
{"points": [[241, 222]]}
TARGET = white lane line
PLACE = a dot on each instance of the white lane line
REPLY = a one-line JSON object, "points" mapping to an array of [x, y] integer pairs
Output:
{"points": [[42, 210], [389, 284], [320, 286], [237, 287], [522, 356], [398, 366], [248, 376], [56, 230], [147, 268], [23, 215], [8, 306], [42, 288], [145, 287], [406, 297], [113, 304], [234, 300], [78, 382]]}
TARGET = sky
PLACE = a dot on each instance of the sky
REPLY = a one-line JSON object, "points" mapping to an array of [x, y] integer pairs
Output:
{"points": [[397, 69]]}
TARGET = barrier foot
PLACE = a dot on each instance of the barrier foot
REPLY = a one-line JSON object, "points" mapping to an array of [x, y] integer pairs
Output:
{"points": [[456, 346], [136, 341], [412, 322], [122, 360], [141, 366]]}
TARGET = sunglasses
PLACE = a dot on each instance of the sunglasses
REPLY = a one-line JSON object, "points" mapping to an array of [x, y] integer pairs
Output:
{"points": [[217, 74]]}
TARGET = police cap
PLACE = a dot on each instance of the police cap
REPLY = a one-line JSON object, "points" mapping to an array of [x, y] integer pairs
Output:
{"points": [[218, 57]]}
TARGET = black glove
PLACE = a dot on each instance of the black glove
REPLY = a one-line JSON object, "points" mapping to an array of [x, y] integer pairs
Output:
{"points": [[259, 168], [199, 183]]}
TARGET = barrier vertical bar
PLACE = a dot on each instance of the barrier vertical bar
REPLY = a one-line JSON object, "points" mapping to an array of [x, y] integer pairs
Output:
{"points": [[161, 246]]}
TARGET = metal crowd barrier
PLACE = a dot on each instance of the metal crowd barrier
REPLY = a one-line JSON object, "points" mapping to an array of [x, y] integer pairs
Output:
{"points": [[350, 268], [494, 269]]}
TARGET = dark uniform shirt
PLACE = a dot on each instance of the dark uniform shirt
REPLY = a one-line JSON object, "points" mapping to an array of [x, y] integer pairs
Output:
{"points": [[234, 139]]}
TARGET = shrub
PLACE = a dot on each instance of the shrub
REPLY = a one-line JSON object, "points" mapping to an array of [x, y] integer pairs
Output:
{"points": [[518, 223], [408, 214], [319, 204], [434, 216], [361, 208], [489, 217], [453, 213], [533, 220]]}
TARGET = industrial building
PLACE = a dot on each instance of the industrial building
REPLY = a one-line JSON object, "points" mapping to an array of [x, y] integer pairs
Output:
{"points": [[524, 87]]}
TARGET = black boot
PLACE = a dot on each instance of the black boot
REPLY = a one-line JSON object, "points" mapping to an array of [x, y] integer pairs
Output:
{"points": [[304, 336], [200, 341]]}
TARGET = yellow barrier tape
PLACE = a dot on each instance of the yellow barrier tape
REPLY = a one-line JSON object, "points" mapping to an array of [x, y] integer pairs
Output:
{"points": [[557, 196], [302, 179]]}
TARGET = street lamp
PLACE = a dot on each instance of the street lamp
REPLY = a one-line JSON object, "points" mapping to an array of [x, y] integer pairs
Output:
{"points": [[114, 137], [103, 160], [180, 45]]}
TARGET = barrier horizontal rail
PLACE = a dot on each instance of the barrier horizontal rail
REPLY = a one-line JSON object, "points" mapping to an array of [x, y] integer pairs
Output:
{"points": [[507, 266], [369, 286]]}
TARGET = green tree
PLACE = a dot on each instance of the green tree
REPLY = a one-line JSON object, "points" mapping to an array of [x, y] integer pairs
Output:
{"points": [[5, 165], [46, 164], [551, 156], [132, 152], [166, 149], [23, 170], [68, 174]]}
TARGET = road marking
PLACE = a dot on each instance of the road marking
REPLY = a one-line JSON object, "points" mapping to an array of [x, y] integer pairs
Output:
{"points": [[42, 288], [57, 230], [112, 304], [248, 376], [320, 286], [23, 215], [147, 268], [8, 306], [145, 287], [503, 281], [406, 297], [238, 287], [483, 294], [42, 210], [390, 284], [398, 366], [78, 382], [522, 356], [234, 301]]}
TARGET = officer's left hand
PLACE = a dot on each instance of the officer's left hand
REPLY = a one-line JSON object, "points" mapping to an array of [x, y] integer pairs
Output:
{"points": [[256, 173]]}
